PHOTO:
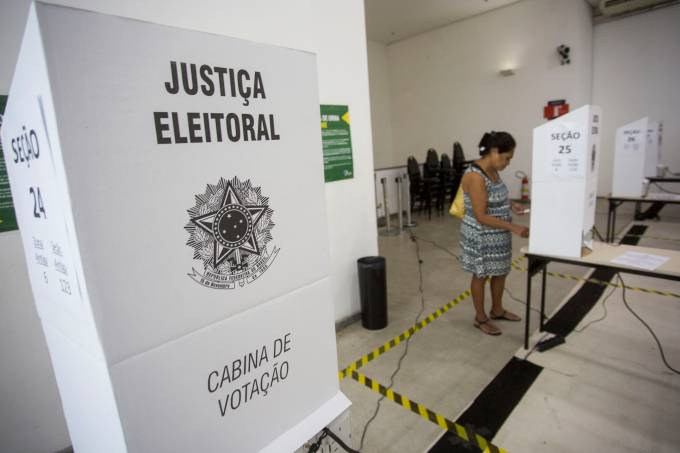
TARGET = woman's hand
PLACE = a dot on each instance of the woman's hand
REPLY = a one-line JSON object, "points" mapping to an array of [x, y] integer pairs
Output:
{"points": [[520, 230], [518, 208]]}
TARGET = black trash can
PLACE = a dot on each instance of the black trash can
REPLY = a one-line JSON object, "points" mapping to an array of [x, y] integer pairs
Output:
{"points": [[373, 292]]}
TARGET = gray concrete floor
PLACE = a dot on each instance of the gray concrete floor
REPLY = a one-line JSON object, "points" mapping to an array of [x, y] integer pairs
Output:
{"points": [[449, 362]]}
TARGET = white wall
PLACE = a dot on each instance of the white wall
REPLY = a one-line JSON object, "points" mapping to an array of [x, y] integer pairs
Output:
{"points": [[30, 414], [636, 73], [445, 87], [381, 105]]}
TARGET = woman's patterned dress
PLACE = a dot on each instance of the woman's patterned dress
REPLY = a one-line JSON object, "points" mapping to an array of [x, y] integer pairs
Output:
{"points": [[487, 251]]}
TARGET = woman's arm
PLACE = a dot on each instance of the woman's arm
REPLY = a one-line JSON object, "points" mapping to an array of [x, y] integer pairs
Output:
{"points": [[474, 185]]}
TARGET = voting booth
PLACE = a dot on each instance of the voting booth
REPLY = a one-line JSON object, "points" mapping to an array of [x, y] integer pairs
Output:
{"points": [[630, 159], [179, 270], [637, 155], [653, 151], [565, 160]]}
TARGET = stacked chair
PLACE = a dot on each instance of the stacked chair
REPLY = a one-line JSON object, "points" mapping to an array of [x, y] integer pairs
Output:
{"points": [[420, 191], [447, 176], [424, 186], [439, 180], [433, 177], [459, 165]]}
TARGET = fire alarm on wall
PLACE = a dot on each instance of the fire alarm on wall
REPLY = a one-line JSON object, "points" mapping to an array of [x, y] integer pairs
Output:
{"points": [[555, 109]]}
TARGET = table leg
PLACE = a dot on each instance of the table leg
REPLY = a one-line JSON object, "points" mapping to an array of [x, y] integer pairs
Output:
{"points": [[545, 271], [613, 232], [609, 223], [528, 311]]}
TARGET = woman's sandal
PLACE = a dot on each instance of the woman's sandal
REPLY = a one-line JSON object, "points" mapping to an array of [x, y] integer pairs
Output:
{"points": [[504, 316], [488, 329]]}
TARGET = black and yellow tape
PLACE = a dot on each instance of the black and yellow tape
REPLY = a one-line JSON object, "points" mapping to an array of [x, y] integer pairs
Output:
{"points": [[603, 283], [646, 236], [516, 261], [377, 352], [459, 430]]}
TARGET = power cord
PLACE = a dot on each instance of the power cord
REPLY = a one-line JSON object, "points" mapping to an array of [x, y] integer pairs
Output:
{"points": [[458, 257], [339, 441], [533, 349], [658, 343], [597, 233], [522, 302], [403, 355], [328, 433], [599, 236], [439, 247], [601, 318]]}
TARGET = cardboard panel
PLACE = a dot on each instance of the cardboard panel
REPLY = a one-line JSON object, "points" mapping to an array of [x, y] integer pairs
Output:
{"points": [[169, 191], [219, 385], [653, 151], [131, 195], [565, 162], [629, 159]]}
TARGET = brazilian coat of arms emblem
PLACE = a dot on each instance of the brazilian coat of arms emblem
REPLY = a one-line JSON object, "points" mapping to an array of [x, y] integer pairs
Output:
{"points": [[230, 231]]}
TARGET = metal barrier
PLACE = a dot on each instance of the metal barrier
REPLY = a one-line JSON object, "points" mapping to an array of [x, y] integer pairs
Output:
{"points": [[386, 209]]}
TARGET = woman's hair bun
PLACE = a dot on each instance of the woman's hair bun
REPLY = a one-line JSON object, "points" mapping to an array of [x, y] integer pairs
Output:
{"points": [[502, 141]]}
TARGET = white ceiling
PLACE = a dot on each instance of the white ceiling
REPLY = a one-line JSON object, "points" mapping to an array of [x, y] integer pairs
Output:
{"points": [[388, 21]]}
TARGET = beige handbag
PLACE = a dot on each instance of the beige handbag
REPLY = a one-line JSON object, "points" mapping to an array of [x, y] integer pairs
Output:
{"points": [[457, 208]]}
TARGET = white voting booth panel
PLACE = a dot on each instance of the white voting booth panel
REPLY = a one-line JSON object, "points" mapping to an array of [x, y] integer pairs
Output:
{"points": [[564, 167], [653, 152], [630, 157], [169, 192], [636, 157]]}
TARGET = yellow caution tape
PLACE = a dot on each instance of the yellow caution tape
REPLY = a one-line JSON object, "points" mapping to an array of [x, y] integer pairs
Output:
{"points": [[645, 236], [516, 261], [377, 352], [457, 429], [601, 282]]}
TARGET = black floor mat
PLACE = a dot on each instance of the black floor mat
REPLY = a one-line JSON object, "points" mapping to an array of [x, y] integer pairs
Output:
{"points": [[493, 406]]}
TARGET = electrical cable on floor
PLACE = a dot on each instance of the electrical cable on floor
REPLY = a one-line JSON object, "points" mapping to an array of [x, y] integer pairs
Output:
{"points": [[599, 236], [328, 433], [664, 190], [597, 233], [339, 441], [531, 351], [522, 302], [441, 247], [458, 257], [601, 318], [658, 343], [316, 445], [403, 355]]}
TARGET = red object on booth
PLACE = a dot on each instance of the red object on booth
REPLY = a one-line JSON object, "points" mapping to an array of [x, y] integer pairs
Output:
{"points": [[525, 189], [555, 109]]}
